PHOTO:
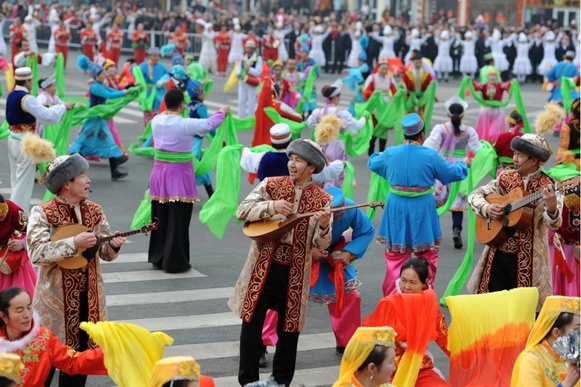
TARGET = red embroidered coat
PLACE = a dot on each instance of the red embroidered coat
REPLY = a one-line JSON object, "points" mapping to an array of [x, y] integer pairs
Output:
{"points": [[57, 290], [40, 350], [409, 80], [531, 245], [88, 36], [115, 39], [292, 249]]}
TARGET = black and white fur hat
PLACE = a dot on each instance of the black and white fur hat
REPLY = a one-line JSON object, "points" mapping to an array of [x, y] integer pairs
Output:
{"points": [[310, 151], [61, 170]]}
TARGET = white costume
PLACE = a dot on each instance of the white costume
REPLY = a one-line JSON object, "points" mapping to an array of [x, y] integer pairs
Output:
{"points": [[353, 60], [317, 53], [247, 93], [549, 46], [522, 63], [208, 53], [47, 100], [22, 167], [414, 42], [496, 45], [52, 22], [382, 84], [349, 122], [30, 32], [468, 61], [443, 62], [282, 51], [237, 47], [387, 42]]}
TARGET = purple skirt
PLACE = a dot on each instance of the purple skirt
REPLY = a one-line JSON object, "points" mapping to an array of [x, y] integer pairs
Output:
{"points": [[173, 182]]}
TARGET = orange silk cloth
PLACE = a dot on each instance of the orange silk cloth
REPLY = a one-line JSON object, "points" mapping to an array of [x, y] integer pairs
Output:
{"points": [[415, 318]]}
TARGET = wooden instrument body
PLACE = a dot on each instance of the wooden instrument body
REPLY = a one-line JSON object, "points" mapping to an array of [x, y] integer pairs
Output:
{"points": [[270, 229], [493, 232], [67, 231]]}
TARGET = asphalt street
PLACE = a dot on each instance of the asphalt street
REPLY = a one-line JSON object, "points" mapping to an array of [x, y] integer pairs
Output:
{"points": [[191, 307]]}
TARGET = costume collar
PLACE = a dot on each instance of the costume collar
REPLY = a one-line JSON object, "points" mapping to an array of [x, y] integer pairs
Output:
{"points": [[18, 345], [533, 175], [21, 88], [304, 185]]}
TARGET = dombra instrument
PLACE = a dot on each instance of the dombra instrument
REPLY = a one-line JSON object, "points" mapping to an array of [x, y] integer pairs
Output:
{"points": [[516, 213], [270, 229], [87, 255]]}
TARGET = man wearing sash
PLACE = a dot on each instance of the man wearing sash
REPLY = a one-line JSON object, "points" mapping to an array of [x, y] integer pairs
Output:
{"points": [[22, 113], [248, 71], [277, 273], [65, 297], [410, 222], [417, 79], [172, 187], [523, 259]]}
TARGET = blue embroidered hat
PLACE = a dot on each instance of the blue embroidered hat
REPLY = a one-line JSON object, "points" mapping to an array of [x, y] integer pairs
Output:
{"points": [[305, 48], [412, 124], [337, 194], [194, 88]]}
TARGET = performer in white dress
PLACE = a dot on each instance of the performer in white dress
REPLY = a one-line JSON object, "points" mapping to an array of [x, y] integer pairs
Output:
{"points": [[522, 63], [318, 35], [468, 61], [549, 46], [30, 25], [208, 53], [387, 42], [237, 47], [496, 44], [47, 97], [414, 41], [52, 19], [280, 33], [443, 61], [2, 41], [353, 59]]}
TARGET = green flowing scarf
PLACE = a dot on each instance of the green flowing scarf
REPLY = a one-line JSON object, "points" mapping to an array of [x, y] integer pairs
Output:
{"points": [[1, 90], [108, 110], [567, 86], [347, 187], [307, 86], [295, 127], [4, 130], [32, 62], [145, 102], [378, 190], [562, 171], [388, 115], [59, 73], [222, 206], [58, 134], [514, 92], [143, 214], [358, 145], [426, 99]]}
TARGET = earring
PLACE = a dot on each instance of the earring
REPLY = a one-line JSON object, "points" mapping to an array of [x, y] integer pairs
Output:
{"points": [[371, 377]]}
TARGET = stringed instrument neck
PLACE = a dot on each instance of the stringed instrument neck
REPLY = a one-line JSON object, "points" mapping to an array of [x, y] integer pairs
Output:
{"points": [[102, 240], [344, 208], [536, 196]]}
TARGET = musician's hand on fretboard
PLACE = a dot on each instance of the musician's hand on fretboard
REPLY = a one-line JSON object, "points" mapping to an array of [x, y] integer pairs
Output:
{"points": [[117, 242], [550, 199]]}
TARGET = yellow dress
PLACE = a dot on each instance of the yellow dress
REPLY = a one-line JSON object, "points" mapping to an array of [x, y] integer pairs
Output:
{"points": [[541, 367]]}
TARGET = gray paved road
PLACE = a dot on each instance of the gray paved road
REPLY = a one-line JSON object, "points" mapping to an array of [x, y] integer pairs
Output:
{"points": [[192, 307]]}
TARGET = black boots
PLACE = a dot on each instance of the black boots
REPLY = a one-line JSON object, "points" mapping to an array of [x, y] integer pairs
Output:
{"points": [[114, 164], [457, 237]]}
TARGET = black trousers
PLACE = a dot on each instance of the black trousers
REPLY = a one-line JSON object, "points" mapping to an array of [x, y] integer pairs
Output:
{"points": [[285, 356], [382, 144], [502, 272], [66, 380], [169, 245]]}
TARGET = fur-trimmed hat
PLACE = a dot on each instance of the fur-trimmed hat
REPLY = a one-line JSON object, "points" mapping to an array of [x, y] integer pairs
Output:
{"points": [[61, 170], [310, 151], [532, 145]]}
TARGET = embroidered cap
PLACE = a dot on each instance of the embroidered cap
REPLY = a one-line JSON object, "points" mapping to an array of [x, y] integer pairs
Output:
{"points": [[280, 134], [23, 73], [174, 368], [412, 124], [10, 366], [250, 43]]}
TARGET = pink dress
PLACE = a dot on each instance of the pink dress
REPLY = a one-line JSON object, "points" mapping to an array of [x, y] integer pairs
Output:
{"points": [[492, 120], [23, 275]]}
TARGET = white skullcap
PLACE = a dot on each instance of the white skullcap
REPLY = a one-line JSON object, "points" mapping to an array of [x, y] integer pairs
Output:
{"points": [[453, 100], [250, 43], [48, 81], [280, 133], [23, 73]]}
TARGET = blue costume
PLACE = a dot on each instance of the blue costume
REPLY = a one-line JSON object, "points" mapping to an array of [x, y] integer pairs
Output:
{"points": [[562, 69], [199, 110], [157, 71], [356, 80], [310, 103], [412, 223], [95, 139]]}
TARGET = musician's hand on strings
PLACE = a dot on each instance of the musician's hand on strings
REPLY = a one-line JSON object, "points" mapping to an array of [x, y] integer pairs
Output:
{"points": [[550, 199], [283, 207], [15, 245], [495, 211], [318, 253], [323, 217], [117, 242], [85, 240]]}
